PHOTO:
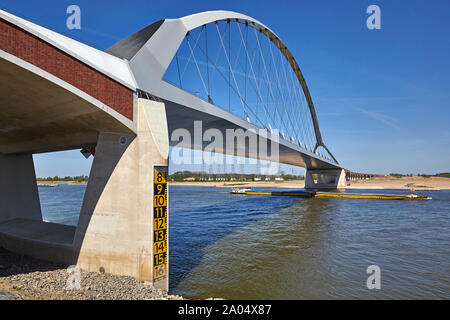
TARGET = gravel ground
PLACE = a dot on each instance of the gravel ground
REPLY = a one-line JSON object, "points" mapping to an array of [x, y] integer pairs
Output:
{"points": [[4, 295], [23, 277]]}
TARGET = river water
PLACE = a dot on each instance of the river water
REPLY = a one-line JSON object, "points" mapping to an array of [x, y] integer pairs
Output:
{"points": [[274, 247]]}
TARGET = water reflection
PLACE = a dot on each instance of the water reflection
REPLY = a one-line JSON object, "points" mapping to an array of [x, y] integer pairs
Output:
{"points": [[321, 248]]}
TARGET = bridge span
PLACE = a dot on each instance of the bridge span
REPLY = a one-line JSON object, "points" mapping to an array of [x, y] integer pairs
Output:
{"points": [[222, 69]]}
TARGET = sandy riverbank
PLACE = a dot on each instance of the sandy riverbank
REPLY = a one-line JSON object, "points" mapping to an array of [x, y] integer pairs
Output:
{"points": [[418, 183]]}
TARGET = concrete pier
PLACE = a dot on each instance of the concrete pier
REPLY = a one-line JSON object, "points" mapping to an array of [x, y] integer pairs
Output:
{"points": [[18, 189], [325, 179], [115, 232], [115, 229]]}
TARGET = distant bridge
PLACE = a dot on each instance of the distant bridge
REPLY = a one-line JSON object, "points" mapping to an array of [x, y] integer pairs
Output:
{"points": [[350, 175], [225, 69]]}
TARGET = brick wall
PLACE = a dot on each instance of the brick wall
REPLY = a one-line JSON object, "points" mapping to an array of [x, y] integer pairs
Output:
{"points": [[43, 55]]}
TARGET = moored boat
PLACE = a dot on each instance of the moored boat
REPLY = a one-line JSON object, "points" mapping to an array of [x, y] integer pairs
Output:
{"points": [[240, 190], [50, 185]]}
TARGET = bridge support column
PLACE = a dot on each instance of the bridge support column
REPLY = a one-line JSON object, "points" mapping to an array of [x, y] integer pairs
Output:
{"points": [[325, 179], [19, 198], [115, 232]]}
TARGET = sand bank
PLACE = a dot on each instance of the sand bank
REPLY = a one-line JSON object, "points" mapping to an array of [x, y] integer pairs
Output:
{"points": [[418, 183]]}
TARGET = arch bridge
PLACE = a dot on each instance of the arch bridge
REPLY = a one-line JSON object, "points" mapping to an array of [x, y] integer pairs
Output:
{"points": [[213, 70]]}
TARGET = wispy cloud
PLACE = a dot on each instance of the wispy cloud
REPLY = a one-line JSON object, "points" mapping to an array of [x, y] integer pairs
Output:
{"points": [[380, 117], [332, 114], [380, 98], [101, 34]]}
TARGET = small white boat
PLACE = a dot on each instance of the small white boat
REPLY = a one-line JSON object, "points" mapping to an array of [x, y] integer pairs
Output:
{"points": [[415, 196], [240, 190], [49, 185]]}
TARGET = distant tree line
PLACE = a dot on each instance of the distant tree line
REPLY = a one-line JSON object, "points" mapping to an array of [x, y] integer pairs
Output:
{"points": [[203, 176], [67, 178], [443, 175]]}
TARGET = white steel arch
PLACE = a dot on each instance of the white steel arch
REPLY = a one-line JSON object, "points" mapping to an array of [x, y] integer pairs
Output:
{"points": [[151, 50]]}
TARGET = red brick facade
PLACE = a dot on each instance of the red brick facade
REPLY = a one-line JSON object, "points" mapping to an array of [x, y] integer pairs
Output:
{"points": [[43, 55]]}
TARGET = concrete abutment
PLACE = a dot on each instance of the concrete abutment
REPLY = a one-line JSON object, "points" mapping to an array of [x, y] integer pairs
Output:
{"points": [[115, 231]]}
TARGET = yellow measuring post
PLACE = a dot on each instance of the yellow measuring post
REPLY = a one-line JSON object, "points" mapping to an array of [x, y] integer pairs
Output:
{"points": [[160, 224]]}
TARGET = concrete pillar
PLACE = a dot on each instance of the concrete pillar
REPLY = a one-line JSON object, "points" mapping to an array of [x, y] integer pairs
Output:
{"points": [[115, 229], [325, 179], [19, 198]]}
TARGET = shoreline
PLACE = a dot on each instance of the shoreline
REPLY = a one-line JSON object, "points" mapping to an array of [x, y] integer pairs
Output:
{"points": [[39, 182], [377, 183]]}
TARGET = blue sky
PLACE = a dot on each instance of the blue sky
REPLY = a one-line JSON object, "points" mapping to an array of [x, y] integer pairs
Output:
{"points": [[382, 96]]}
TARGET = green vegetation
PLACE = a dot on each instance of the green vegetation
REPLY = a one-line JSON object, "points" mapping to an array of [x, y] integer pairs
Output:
{"points": [[67, 178], [202, 176], [442, 175]]}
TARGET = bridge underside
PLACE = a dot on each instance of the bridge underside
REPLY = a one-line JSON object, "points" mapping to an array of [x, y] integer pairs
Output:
{"points": [[39, 115]]}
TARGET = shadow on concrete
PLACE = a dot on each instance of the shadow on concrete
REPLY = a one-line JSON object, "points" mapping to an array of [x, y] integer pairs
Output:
{"points": [[99, 176]]}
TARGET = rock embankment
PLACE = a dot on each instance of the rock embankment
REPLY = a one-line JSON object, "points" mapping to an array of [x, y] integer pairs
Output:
{"points": [[23, 277]]}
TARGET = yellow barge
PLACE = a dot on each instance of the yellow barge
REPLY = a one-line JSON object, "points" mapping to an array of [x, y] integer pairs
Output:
{"points": [[305, 194], [371, 196], [311, 194]]}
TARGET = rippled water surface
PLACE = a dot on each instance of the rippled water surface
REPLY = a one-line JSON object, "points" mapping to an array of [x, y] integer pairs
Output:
{"points": [[272, 247]]}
